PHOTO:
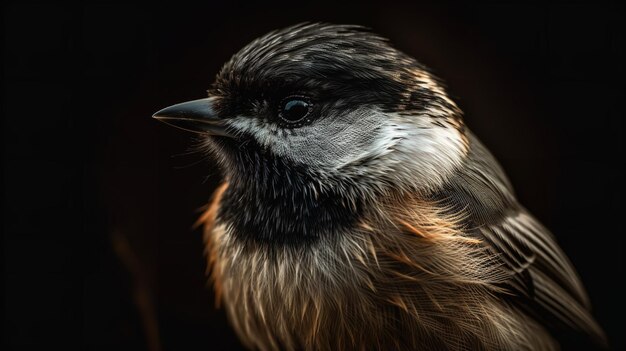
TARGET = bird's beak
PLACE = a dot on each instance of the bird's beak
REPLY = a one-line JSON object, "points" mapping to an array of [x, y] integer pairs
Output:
{"points": [[196, 116]]}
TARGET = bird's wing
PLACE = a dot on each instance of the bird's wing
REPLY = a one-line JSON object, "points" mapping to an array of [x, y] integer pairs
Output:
{"points": [[542, 279], [540, 271]]}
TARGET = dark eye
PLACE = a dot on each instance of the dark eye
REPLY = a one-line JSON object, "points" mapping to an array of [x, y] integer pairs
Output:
{"points": [[295, 109]]}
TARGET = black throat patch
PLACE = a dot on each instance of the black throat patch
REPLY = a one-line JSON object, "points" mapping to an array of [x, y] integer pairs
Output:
{"points": [[277, 203]]}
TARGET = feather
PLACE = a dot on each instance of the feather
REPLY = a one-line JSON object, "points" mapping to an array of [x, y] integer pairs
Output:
{"points": [[541, 278]]}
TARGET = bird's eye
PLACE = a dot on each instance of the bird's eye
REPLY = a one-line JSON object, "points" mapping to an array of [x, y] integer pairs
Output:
{"points": [[295, 109]]}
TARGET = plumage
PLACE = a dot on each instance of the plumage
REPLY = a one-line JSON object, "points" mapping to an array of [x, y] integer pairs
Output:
{"points": [[539, 271], [375, 221]]}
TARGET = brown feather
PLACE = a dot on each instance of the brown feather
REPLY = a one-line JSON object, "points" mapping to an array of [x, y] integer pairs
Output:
{"points": [[207, 220], [408, 276]]}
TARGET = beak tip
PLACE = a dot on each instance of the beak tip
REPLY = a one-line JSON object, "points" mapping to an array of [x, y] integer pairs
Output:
{"points": [[162, 114]]}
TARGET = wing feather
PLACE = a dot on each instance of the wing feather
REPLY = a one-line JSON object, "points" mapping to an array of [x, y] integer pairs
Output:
{"points": [[555, 286], [542, 279]]}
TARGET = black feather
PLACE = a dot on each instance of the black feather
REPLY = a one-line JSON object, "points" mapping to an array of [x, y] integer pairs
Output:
{"points": [[275, 202]]}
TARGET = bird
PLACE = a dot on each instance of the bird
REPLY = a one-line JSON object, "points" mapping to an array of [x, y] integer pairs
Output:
{"points": [[358, 211]]}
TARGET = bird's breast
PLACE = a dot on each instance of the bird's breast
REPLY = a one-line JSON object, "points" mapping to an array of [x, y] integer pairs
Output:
{"points": [[392, 280]]}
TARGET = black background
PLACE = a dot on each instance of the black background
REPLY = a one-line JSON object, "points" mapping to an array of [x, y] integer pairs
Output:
{"points": [[85, 167]]}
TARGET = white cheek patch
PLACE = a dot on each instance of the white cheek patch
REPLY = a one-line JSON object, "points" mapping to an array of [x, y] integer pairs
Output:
{"points": [[265, 133], [334, 141], [382, 149], [409, 152], [425, 154], [328, 143]]}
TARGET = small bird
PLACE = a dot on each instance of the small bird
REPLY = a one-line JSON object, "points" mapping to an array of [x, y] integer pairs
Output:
{"points": [[359, 212]]}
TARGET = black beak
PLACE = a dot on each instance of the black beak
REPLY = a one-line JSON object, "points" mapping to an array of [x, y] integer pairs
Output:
{"points": [[196, 116]]}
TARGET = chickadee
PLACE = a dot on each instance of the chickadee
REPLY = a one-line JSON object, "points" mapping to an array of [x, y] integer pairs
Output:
{"points": [[359, 212]]}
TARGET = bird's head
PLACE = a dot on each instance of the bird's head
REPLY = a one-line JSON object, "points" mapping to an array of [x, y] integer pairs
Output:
{"points": [[326, 106]]}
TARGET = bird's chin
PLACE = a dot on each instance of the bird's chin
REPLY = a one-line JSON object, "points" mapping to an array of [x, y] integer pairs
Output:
{"points": [[232, 148], [220, 149], [241, 160]]}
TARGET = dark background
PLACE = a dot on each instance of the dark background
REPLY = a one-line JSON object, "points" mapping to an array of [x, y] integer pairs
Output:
{"points": [[99, 199]]}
